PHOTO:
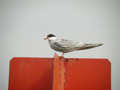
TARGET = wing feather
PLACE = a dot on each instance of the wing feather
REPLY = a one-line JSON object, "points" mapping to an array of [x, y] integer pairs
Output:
{"points": [[66, 43]]}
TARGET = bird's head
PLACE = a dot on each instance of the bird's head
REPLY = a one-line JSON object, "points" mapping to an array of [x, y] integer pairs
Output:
{"points": [[50, 37]]}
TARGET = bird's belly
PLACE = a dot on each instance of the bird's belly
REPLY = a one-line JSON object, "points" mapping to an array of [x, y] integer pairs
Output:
{"points": [[61, 49]]}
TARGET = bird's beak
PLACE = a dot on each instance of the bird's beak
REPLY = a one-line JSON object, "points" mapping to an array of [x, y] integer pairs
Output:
{"points": [[46, 38]]}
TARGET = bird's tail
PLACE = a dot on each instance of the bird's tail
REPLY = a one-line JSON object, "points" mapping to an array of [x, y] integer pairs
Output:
{"points": [[88, 46]]}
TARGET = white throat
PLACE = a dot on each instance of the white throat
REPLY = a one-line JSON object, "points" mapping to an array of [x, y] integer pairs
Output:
{"points": [[52, 38]]}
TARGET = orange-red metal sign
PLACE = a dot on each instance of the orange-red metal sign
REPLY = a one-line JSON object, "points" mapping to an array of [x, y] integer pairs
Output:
{"points": [[59, 74]]}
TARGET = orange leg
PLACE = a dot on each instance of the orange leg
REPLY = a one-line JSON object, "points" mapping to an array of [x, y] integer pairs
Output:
{"points": [[62, 54]]}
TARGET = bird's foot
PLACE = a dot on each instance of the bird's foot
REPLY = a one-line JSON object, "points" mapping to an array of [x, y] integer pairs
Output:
{"points": [[62, 56], [55, 54]]}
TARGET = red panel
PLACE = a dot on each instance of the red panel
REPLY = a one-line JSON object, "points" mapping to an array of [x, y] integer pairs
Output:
{"points": [[80, 74], [31, 74], [88, 74]]}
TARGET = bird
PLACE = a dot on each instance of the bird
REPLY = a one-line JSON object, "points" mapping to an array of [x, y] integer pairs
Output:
{"points": [[66, 46]]}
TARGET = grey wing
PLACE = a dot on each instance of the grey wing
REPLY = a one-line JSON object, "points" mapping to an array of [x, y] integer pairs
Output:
{"points": [[71, 45], [64, 43], [68, 45]]}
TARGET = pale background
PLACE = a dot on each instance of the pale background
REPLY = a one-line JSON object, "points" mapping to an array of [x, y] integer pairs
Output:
{"points": [[24, 24]]}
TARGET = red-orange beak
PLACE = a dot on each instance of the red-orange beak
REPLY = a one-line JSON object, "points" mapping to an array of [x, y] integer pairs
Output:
{"points": [[46, 38]]}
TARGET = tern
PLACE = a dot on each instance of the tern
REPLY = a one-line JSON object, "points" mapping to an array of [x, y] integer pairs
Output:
{"points": [[65, 46]]}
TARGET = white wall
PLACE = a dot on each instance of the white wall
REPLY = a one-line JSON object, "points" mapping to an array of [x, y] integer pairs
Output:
{"points": [[24, 24]]}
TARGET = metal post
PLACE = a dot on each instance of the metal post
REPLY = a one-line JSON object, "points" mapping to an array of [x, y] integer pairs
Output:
{"points": [[58, 73]]}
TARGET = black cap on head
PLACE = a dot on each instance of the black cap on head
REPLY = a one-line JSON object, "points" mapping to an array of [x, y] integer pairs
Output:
{"points": [[51, 35]]}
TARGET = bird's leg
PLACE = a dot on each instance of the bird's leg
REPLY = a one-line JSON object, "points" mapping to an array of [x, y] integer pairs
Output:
{"points": [[55, 54], [62, 54]]}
